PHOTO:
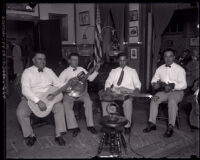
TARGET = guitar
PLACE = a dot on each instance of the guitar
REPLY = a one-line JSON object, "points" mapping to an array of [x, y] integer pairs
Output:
{"points": [[58, 96], [78, 85], [113, 95]]}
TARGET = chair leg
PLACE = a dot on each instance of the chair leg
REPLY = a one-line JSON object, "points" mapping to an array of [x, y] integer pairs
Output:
{"points": [[178, 121]]}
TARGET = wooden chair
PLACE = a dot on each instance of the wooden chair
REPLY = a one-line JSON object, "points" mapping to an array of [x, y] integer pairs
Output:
{"points": [[39, 122], [163, 113], [78, 110]]}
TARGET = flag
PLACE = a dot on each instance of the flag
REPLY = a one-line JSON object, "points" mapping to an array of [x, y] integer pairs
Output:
{"points": [[98, 53]]}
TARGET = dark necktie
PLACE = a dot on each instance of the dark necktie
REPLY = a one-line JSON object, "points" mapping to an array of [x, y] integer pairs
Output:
{"points": [[74, 69], [168, 66], [40, 70], [120, 77]]}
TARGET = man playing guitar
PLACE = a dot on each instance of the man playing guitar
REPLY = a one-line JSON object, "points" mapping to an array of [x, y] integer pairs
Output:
{"points": [[71, 75], [35, 81], [171, 78]]}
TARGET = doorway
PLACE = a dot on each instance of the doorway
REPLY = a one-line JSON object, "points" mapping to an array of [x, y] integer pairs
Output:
{"points": [[22, 34]]}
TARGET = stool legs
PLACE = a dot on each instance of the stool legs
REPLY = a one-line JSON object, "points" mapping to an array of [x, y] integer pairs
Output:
{"points": [[118, 143], [115, 140], [107, 139], [112, 143], [101, 143]]}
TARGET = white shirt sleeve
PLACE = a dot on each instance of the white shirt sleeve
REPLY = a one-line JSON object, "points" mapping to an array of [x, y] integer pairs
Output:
{"points": [[156, 77], [55, 79], [136, 81], [109, 80], [181, 83], [62, 77], [26, 88], [92, 76]]}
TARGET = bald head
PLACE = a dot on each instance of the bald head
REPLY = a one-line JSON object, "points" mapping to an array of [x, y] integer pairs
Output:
{"points": [[39, 60]]}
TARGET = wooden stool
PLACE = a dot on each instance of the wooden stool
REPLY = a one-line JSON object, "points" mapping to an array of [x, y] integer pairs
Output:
{"points": [[112, 127]]}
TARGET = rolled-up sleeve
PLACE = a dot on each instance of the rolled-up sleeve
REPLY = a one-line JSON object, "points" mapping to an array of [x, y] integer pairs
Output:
{"points": [[56, 80], [62, 77], [156, 77], [136, 80], [26, 88], [181, 83], [92, 76]]}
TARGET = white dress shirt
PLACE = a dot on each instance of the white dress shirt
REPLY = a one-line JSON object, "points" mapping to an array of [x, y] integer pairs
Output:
{"points": [[174, 74], [130, 79], [35, 83], [69, 73]]}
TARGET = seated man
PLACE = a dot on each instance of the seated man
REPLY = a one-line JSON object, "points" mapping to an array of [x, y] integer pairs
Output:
{"points": [[172, 78], [123, 79], [35, 81], [72, 71]]}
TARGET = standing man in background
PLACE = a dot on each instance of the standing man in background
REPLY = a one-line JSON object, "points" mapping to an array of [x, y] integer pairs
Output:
{"points": [[17, 59]]}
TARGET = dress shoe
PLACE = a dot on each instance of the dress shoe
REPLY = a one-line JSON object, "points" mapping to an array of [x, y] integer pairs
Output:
{"points": [[127, 130], [75, 132], [149, 128], [30, 140], [92, 130], [60, 140], [169, 131]]}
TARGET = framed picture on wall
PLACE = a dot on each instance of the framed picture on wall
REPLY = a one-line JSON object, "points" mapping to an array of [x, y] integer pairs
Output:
{"points": [[194, 41], [85, 50], [133, 31], [133, 15], [84, 18], [134, 53], [68, 49]]}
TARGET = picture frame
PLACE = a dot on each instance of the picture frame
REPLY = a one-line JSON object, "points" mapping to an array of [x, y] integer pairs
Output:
{"points": [[63, 25], [194, 41], [133, 31], [85, 50], [134, 53], [133, 15], [84, 18], [170, 43], [68, 49]]}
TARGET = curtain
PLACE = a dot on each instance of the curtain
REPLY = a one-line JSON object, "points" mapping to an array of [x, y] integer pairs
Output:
{"points": [[162, 14]]}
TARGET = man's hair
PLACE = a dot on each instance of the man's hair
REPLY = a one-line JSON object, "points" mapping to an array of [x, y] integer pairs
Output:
{"points": [[37, 53], [73, 54], [169, 50], [122, 54]]}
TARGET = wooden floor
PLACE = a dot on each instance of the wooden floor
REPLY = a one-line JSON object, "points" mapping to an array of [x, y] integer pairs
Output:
{"points": [[183, 144]]}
